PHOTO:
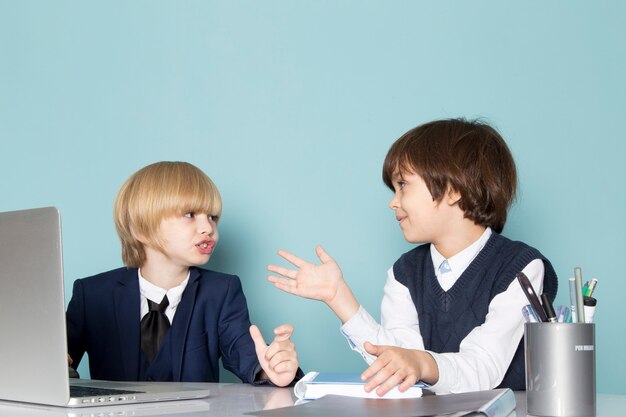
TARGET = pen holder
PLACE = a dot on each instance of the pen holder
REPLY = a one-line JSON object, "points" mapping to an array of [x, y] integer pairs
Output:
{"points": [[560, 369]]}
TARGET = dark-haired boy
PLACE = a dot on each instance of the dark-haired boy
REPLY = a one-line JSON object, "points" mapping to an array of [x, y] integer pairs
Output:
{"points": [[451, 311]]}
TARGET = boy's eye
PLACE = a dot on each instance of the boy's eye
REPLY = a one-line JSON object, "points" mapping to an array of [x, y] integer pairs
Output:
{"points": [[213, 218], [401, 184], [189, 215]]}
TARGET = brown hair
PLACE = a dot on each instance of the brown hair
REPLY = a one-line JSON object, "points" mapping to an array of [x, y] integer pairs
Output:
{"points": [[153, 193], [469, 157]]}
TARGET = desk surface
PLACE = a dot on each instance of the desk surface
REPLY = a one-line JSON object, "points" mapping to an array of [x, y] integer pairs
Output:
{"points": [[234, 400]]}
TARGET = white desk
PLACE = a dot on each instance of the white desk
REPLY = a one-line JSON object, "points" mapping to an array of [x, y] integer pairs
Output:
{"points": [[233, 400], [606, 405]]}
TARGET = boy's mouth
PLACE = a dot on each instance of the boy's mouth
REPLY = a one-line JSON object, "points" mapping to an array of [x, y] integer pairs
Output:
{"points": [[206, 246]]}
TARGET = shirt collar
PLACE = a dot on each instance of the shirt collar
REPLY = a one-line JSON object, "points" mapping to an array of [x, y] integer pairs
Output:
{"points": [[155, 294], [461, 260]]}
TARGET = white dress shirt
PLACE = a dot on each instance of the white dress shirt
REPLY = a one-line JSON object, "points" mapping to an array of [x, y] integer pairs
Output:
{"points": [[484, 354], [149, 291]]}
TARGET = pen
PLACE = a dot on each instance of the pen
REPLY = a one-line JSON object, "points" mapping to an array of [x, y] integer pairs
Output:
{"points": [[590, 308], [529, 291], [592, 287], [559, 313], [580, 310], [562, 314], [530, 316], [547, 306], [572, 299]]}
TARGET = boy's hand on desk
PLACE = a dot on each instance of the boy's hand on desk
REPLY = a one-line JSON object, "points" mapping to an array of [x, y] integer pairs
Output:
{"points": [[279, 360], [398, 366], [322, 282]]}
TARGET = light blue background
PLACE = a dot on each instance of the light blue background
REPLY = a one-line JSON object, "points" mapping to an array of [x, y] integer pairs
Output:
{"points": [[291, 106]]}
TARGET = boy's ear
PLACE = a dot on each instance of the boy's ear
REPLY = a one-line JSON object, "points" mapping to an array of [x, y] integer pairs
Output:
{"points": [[452, 196], [138, 236]]}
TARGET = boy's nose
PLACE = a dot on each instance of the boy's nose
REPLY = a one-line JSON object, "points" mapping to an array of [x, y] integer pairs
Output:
{"points": [[393, 203], [205, 225]]}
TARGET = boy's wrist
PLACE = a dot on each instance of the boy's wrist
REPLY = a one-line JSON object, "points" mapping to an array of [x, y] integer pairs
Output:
{"points": [[344, 304], [429, 371]]}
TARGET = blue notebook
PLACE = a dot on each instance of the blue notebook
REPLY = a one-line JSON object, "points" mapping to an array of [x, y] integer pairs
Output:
{"points": [[317, 384]]}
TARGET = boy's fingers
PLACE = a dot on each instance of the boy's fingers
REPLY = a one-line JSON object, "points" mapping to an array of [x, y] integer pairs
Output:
{"points": [[281, 280], [373, 349], [283, 332], [407, 383], [373, 369], [378, 364], [281, 341], [286, 366], [292, 258], [380, 377], [281, 357], [321, 253], [388, 385], [282, 271], [259, 341], [288, 286]]}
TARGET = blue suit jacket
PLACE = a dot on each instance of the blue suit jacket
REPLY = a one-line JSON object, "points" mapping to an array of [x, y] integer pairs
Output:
{"points": [[211, 321]]}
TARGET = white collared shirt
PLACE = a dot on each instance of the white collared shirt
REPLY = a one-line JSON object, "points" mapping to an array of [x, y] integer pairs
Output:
{"points": [[484, 354], [458, 262], [149, 291]]}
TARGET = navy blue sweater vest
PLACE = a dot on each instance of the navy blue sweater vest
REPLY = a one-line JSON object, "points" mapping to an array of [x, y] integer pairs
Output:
{"points": [[447, 317]]}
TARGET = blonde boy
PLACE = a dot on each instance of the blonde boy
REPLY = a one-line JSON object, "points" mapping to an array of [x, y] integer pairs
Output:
{"points": [[162, 317]]}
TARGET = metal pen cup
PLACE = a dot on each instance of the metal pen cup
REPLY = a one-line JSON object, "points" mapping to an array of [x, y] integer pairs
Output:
{"points": [[560, 369]]}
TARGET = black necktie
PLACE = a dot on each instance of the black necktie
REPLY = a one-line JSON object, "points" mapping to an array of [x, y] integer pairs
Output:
{"points": [[154, 326]]}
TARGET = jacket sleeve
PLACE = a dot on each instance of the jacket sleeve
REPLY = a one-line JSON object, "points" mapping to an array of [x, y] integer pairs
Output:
{"points": [[75, 322], [236, 344]]}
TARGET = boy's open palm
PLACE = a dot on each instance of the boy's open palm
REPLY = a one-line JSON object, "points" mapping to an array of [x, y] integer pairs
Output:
{"points": [[279, 360], [318, 282]]}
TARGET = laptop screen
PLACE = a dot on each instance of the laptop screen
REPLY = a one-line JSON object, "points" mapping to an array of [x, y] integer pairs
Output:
{"points": [[33, 359], [33, 362]]}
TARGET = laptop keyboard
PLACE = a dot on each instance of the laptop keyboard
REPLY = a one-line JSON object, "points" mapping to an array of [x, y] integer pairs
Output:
{"points": [[78, 391]]}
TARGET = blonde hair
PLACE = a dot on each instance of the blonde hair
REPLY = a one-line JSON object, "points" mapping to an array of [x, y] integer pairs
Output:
{"points": [[155, 192]]}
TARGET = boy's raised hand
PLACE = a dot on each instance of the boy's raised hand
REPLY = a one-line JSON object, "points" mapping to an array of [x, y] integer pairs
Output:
{"points": [[319, 282], [279, 360], [322, 282]]}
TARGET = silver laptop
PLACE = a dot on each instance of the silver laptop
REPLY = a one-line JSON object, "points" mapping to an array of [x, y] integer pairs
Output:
{"points": [[33, 344]]}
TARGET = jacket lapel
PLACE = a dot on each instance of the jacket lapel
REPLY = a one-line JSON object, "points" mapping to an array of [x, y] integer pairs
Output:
{"points": [[127, 312], [182, 319]]}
